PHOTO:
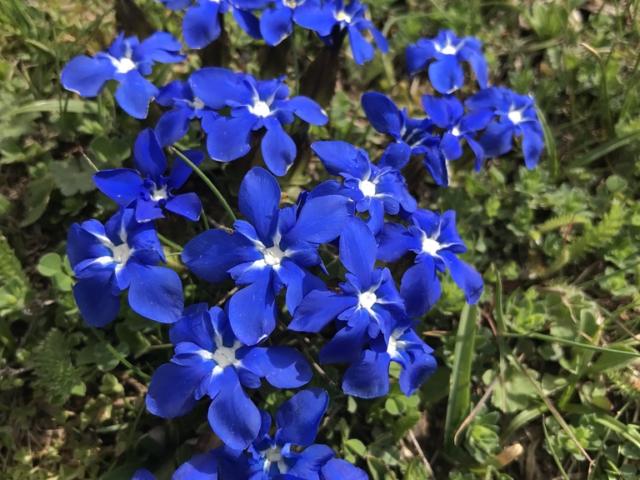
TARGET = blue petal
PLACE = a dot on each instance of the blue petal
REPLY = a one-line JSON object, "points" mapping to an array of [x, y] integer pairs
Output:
{"points": [[478, 65], [187, 205], [86, 76], [200, 467], [450, 146], [298, 419], [436, 165], [275, 25], [248, 22], [148, 155], [216, 86], [258, 199], [532, 145], [465, 276], [229, 138], [346, 345], [420, 287], [321, 220], [446, 75], [172, 389], [317, 309], [285, 367], [201, 24], [436, 108], [143, 474], [233, 416], [212, 253], [382, 113], [308, 463], [278, 149], [180, 172], [122, 185], [134, 94], [369, 377], [156, 293], [98, 306], [307, 110], [173, 125], [478, 152], [394, 242], [172, 91], [338, 469], [160, 47], [358, 250], [319, 19], [497, 139], [417, 372], [362, 50], [252, 310], [396, 155], [147, 210], [419, 54], [337, 156]]}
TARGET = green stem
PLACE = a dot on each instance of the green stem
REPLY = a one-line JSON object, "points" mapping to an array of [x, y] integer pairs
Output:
{"points": [[206, 180], [169, 243]]}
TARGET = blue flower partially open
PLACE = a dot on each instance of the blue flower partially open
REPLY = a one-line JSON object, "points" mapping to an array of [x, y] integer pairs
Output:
{"points": [[119, 255], [210, 361], [148, 190], [127, 61], [272, 249]]}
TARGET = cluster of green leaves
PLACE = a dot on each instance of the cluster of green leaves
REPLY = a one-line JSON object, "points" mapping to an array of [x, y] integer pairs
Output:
{"points": [[542, 379]]}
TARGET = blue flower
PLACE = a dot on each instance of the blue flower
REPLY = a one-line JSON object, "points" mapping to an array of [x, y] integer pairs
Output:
{"points": [[210, 361], [121, 254], [148, 189], [412, 136], [368, 307], [377, 189], [335, 16], [448, 113], [273, 248], [517, 117], [185, 106], [201, 24], [436, 243], [254, 104], [448, 51], [276, 23], [290, 453], [143, 474], [127, 61]]}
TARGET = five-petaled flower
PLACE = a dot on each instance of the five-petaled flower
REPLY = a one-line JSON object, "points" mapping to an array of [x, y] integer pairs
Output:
{"points": [[273, 248], [210, 361], [436, 243], [448, 51], [148, 189], [127, 61], [107, 259], [254, 105], [517, 117]]}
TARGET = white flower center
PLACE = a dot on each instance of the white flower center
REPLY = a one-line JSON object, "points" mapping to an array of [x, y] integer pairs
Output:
{"points": [[225, 356], [290, 3], [197, 104], [343, 16], [515, 116], [449, 49], [273, 256], [158, 194], [260, 109], [455, 131], [430, 246], [123, 65], [121, 253], [367, 300], [395, 345], [367, 188], [274, 455]]}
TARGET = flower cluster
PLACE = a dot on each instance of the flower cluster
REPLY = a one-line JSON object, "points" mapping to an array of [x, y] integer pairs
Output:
{"points": [[365, 218]]}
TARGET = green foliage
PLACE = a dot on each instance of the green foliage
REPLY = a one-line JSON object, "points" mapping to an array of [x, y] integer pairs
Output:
{"points": [[14, 285]]}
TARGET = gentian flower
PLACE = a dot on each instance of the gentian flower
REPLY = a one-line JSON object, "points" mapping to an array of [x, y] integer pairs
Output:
{"points": [[276, 23], [185, 106], [273, 248], [448, 51], [517, 117], [448, 113], [119, 255], [254, 104], [143, 474], [148, 189], [374, 188], [201, 23], [368, 306], [412, 136], [350, 19], [289, 454], [127, 61], [436, 243], [209, 360], [369, 376]]}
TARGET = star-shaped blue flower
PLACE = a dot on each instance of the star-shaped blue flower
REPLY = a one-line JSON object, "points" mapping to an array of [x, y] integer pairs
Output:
{"points": [[127, 61], [516, 117], [254, 105], [273, 248], [119, 255], [277, 21], [447, 52], [148, 189], [210, 361], [436, 243]]}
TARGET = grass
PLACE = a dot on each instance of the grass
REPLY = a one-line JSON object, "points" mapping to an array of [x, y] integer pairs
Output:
{"points": [[542, 380]]}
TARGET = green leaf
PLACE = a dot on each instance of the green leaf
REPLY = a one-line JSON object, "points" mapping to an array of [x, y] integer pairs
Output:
{"points": [[49, 265], [72, 176], [38, 194]]}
